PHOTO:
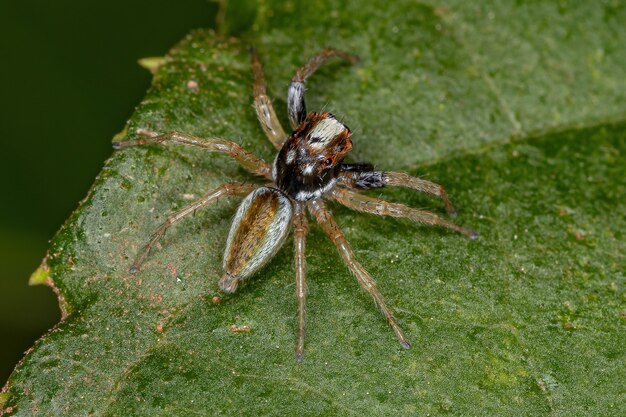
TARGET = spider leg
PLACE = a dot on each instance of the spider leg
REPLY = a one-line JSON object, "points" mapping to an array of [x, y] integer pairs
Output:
{"points": [[301, 228], [325, 218], [247, 159], [229, 188], [263, 105], [296, 107], [363, 203], [363, 177], [400, 179]]}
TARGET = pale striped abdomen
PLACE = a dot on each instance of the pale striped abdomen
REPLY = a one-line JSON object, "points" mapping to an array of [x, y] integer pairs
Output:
{"points": [[259, 229]]}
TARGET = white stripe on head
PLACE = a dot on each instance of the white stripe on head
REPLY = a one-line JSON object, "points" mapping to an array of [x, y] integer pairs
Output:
{"points": [[325, 131], [308, 169], [308, 195]]}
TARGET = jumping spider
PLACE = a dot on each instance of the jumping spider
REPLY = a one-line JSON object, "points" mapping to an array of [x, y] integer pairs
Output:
{"points": [[308, 168]]}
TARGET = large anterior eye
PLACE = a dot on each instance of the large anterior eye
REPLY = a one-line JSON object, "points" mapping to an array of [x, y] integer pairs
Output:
{"points": [[328, 162]]}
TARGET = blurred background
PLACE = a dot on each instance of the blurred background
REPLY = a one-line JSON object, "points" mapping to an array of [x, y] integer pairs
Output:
{"points": [[69, 80]]}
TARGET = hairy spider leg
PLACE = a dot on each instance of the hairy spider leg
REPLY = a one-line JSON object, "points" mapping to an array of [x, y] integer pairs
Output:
{"points": [[400, 179], [379, 207], [296, 106], [325, 218], [226, 189], [263, 105], [247, 159], [301, 228], [364, 177]]}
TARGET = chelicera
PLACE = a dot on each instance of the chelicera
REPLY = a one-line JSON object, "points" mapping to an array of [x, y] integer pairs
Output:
{"points": [[308, 169]]}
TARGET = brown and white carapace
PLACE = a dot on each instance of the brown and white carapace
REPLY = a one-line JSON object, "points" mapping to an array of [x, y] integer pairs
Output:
{"points": [[309, 163], [308, 168]]}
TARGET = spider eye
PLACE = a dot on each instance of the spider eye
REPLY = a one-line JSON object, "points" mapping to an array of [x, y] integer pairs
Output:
{"points": [[328, 162]]}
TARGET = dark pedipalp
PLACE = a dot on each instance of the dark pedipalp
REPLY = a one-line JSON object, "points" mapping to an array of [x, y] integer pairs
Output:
{"points": [[360, 167], [370, 179], [362, 176]]}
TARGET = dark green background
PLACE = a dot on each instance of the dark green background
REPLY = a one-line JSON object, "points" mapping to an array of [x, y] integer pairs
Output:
{"points": [[69, 80]]}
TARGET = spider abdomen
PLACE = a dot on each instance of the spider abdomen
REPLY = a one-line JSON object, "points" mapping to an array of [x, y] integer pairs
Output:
{"points": [[259, 229]]}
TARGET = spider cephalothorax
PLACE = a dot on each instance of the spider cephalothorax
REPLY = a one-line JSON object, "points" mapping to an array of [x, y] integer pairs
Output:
{"points": [[310, 160], [308, 168]]}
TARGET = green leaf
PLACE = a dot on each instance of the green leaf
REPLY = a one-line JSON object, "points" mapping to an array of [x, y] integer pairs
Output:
{"points": [[40, 276], [518, 109]]}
